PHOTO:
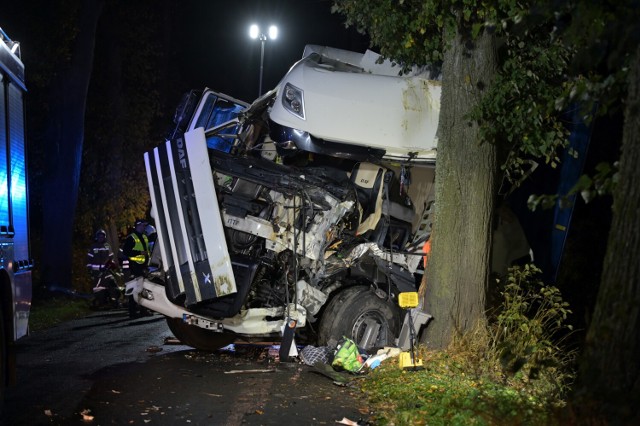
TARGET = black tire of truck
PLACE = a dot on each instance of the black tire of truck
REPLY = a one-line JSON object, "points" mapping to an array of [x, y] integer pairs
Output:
{"points": [[349, 313], [199, 338]]}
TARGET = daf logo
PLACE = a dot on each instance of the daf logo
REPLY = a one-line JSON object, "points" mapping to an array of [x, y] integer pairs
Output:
{"points": [[182, 155], [206, 278]]}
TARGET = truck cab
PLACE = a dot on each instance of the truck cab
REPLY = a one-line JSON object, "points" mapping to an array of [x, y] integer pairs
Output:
{"points": [[310, 205]]}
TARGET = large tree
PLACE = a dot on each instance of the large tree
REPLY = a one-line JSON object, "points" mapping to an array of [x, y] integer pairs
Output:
{"points": [[610, 365], [607, 72], [122, 121], [553, 52], [62, 142], [476, 47]]}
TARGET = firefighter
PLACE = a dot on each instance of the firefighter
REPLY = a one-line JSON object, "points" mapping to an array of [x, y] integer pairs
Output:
{"points": [[136, 250], [99, 260], [100, 252]]}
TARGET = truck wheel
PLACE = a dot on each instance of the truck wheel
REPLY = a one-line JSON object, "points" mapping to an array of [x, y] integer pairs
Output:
{"points": [[199, 338], [358, 313]]}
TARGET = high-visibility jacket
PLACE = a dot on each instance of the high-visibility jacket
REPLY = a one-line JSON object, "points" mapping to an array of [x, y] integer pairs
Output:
{"points": [[141, 247]]}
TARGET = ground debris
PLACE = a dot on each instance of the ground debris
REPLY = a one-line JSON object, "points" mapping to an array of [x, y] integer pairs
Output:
{"points": [[259, 370], [346, 421], [86, 415]]}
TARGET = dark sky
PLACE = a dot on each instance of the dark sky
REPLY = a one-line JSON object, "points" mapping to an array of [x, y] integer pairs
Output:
{"points": [[219, 53], [215, 49]]}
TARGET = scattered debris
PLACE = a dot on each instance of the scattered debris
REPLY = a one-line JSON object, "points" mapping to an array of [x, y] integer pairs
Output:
{"points": [[346, 421], [172, 341], [311, 354], [86, 415], [265, 370], [115, 391], [48, 413], [382, 354], [154, 349]]}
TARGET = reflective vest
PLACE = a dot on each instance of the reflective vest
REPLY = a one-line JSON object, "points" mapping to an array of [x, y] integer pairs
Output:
{"points": [[138, 246]]}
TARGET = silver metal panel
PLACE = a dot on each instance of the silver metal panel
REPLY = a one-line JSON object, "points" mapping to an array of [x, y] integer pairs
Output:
{"points": [[209, 215]]}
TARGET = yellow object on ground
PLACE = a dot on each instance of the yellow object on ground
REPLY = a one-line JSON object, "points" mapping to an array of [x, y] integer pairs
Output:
{"points": [[406, 362]]}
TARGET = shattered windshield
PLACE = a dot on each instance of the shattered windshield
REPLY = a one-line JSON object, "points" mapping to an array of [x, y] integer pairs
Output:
{"points": [[216, 111]]}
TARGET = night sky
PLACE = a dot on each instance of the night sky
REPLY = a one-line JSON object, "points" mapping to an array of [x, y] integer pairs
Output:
{"points": [[215, 49], [219, 53]]}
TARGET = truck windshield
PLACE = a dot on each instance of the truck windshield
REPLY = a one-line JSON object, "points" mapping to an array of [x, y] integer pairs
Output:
{"points": [[215, 112]]}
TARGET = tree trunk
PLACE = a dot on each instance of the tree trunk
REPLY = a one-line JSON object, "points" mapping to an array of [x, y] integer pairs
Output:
{"points": [[465, 193], [63, 150], [609, 376]]}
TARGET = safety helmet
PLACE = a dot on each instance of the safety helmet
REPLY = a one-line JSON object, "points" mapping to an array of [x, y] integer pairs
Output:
{"points": [[149, 230], [100, 231], [140, 222]]}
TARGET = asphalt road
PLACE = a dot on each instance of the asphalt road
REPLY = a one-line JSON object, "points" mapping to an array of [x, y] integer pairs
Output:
{"points": [[108, 370]]}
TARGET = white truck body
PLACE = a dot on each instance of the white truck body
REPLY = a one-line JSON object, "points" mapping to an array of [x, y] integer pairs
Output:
{"points": [[366, 103], [312, 204]]}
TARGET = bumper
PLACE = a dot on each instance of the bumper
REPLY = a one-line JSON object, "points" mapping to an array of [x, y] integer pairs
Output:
{"points": [[250, 322]]}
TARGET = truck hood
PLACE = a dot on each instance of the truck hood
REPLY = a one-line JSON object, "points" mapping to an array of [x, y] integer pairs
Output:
{"points": [[348, 98]]}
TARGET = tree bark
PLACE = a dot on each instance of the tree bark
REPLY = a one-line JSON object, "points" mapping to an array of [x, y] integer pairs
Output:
{"points": [[609, 375], [465, 192], [63, 150]]}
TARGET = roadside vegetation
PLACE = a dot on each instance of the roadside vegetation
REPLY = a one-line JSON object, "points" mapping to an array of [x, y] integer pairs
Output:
{"points": [[47, 313], [516, 371]]}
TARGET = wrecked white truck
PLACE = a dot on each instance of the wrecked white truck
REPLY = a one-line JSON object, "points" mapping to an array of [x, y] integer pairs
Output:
{"points": [[308, 207]]}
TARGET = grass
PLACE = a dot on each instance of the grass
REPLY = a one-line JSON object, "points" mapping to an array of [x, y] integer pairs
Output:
{"points": [[53, 311], [513, 370], [450, 391]]}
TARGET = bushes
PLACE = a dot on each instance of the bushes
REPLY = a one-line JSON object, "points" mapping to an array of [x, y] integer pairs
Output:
{"points": [[528, 333], [515, 371]]}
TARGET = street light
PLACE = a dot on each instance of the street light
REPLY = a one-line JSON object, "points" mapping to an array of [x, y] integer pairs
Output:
{"points": [[255, 33]]}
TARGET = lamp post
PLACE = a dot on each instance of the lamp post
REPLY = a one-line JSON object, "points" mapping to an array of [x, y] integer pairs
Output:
{"points": [[255, 33]]}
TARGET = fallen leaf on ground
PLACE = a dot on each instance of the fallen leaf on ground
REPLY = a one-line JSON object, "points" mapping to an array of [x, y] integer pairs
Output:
{"points": [[212, 394], [115, 391], [154, 349], [48, 413]]}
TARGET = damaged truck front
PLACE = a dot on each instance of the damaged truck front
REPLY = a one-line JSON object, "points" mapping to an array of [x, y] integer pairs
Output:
{"points": [[309, 206]]}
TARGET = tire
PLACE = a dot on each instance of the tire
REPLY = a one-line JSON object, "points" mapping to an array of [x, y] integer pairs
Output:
{"points": [[199, 338], [355, 313]]}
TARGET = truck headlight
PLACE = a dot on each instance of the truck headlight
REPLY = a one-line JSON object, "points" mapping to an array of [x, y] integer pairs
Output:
{"points": [[293, 100]]}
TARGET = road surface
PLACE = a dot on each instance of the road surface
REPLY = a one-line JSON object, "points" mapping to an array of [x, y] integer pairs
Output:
{"points": [[108, 370]]}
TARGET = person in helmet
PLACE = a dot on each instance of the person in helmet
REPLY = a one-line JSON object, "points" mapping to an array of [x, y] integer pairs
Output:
{"points": [[99, 253], [99, 260], [136, 250]]}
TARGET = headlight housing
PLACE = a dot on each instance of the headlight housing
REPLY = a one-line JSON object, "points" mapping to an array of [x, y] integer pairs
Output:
{"points": [[293, 100]]}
